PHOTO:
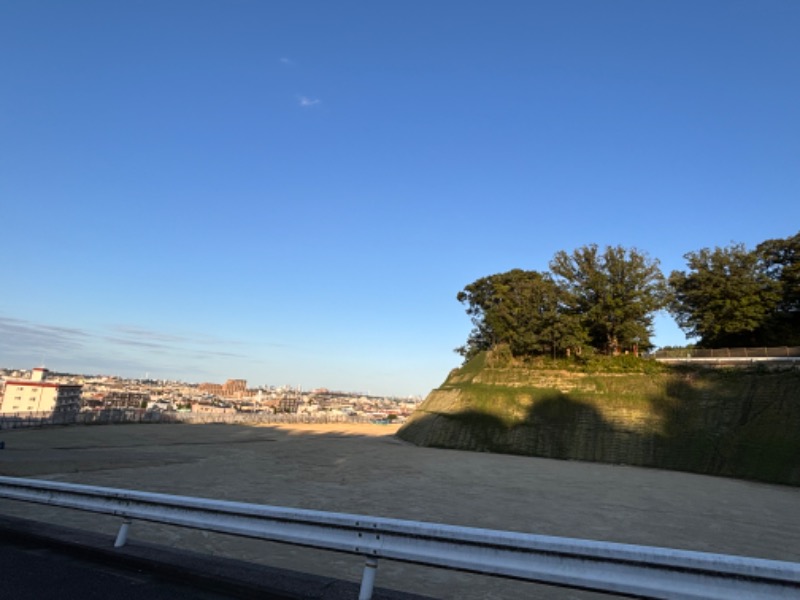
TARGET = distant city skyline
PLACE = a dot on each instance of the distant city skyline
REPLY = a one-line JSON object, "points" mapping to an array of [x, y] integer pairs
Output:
{"points": [[222, 383], [295, 193]]}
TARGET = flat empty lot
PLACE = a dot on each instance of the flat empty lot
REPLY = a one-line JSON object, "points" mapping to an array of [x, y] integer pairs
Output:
{"points": [[363, 469]]}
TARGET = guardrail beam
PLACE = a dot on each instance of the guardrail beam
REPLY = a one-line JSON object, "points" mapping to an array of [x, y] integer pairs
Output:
{"points": [[623, 569]]}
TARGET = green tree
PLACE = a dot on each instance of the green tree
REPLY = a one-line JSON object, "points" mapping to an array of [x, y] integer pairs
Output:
{"points": [[479, 297], [615, 292], [523, 309], [726, 298], [780, 258]]}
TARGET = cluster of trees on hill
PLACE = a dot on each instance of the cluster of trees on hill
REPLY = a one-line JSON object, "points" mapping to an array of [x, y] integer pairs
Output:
{"points": [[606, 299], [737, 297]]}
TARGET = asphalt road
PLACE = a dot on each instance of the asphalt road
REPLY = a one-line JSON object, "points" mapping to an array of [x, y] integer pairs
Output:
{"points": [[36, 572], [54, 562]]}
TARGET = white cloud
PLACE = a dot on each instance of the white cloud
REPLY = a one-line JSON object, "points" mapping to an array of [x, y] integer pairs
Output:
{"points": [[286, 61], [305, 101]]}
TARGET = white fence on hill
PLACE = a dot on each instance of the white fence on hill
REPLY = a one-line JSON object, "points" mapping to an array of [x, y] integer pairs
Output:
{"points": [[117, 416]]}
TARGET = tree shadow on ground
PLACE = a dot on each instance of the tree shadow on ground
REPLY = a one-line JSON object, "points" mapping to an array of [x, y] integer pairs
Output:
{"points": [[81, 448]]}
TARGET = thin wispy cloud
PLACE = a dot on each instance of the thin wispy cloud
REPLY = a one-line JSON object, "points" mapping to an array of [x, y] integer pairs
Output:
{"points": [[194, 339], [154, 346], [122, 348], [286, 61], [39, 337], [306, 102], [178, 344], [138, 332]]}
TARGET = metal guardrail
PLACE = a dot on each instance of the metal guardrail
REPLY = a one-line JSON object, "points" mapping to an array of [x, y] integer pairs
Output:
{"points": [[622, 569]]}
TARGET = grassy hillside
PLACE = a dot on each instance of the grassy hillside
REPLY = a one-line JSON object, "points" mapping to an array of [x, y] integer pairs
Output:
{"points": [[736, 422]]}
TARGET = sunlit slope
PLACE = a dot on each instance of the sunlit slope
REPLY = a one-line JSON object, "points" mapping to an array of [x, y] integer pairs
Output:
{"points": [[736, 422]]}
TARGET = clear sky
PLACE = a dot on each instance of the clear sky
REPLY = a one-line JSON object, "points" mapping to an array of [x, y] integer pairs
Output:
{"points": [[295, 192]]}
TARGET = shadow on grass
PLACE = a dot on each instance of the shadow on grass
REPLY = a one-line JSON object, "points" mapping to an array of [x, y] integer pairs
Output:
{"points": [[742, 423], [554, 426]]}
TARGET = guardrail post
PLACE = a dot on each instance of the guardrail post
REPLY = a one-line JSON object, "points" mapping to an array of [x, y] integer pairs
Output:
{"points": [[122, 536], [368, 579]]}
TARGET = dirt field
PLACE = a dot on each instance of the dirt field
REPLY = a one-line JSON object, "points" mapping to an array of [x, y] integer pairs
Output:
{"points": [[363, 469]]}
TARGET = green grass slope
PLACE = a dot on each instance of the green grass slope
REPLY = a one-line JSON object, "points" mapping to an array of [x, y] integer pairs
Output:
{"points": [[735, 422]]}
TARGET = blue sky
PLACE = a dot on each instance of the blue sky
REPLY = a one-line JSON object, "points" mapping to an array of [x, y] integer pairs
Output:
{"points": [[295, 192]]}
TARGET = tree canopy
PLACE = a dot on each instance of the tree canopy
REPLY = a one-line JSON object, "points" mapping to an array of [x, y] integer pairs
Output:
{"points": [[733, 296], [523, 309], [606, 299], [616, 292], [781, 261]]}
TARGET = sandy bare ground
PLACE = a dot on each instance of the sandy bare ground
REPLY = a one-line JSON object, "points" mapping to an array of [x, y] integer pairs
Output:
{"points": [[363, 469]]}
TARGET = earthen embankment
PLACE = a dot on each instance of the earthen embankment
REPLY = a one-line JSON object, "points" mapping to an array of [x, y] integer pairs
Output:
{"points": [[736, 422]]}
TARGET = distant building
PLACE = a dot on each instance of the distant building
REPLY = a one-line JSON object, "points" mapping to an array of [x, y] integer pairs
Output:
{"points": [[126, 400], [198, 407], [211, 388], [289, 404], [39, 395], [234, 388]]}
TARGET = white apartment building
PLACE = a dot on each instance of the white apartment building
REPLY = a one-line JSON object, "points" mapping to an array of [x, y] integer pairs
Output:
{"points": [[38, 395]]}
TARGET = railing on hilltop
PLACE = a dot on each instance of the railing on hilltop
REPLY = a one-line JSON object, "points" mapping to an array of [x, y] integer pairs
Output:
{"points": [[623, 569], [121, 416], [721, 353]]}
